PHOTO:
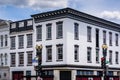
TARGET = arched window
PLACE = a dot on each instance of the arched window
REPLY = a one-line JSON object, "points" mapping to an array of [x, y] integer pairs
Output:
{"points": [[6, 58]]}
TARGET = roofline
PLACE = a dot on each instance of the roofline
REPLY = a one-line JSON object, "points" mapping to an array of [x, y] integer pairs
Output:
{"points": [[80, 14], [21, 20]]}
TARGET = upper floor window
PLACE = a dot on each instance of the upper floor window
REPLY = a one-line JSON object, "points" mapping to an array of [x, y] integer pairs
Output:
{"points": [[21, 24], [12, 42], [76, 53], [116, 40], [49, 53], [1, 40], [29, 22], [59, 52], [21, 58], [39, 32], [97, 38], [48, 31], [110, 57], [29, 58], [104, 37], [59, 30], [1, 56], [13, 25], [6, 56], [117, 58], [110, 38], [97, 55], [76, 31], [89, 34], [21, 41], [29, 40], [89, 58], [6, 40], [13, 59]]}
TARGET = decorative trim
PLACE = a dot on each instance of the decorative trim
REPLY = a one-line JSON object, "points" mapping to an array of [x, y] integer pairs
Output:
{"points": [[77, 66]]}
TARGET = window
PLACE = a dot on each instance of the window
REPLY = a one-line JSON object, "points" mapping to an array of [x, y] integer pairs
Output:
{"points": [[29, 22], [49, 53], [110, 38], [1, 40], [59, 30], [110, 57], [29, 40], [1, 59], [6, 40], [116, 39], [97, 55], [76, 53], [89, 55], [21, 24], [48, 72], [13, 25], [84, 72], [49, 31], [59, 52], [29, 58], [21, 58], [76, 31], [6, 56], [39, 32], [104, 37], [13, 59], [97, 38], [12, 42], [89, 34], [117, 58], [21, 41]]}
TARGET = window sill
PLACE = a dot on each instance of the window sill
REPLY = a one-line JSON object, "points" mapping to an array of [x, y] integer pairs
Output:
{"points": [[12, 66], [21, 65], [12, 48], [20, 47], [89, 61], [49, 39], [59, 60], [29, 46], [76, 60], [39, 40], [49, 61], [59, 37], [29, 64], [89, 41]]}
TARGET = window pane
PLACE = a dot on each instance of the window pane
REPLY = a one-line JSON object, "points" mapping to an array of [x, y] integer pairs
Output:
{"points": [[12, 41], [49, 53], [60, 52], [76, 31], [21, 59], [21, 41], [89, 34], [29, 58], [59, 30], [39, 32], [13, 61], [29, 40]]}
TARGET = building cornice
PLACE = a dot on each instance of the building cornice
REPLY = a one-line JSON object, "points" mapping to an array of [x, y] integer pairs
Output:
{"points": [[74, 14]]}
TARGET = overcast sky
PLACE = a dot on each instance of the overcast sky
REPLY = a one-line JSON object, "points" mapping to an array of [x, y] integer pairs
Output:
{"points": [[22, 9]]}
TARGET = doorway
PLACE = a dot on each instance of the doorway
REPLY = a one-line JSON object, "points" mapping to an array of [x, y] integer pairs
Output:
{"points": [[65, 75]]}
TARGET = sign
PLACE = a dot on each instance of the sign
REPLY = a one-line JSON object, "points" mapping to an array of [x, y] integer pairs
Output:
{"points": [[35, 61]]}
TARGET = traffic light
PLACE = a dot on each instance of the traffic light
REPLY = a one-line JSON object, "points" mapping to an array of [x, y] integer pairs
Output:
{"points": [[103, 62]]}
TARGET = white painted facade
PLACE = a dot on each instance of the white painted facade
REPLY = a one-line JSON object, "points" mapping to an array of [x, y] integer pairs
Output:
{"points": [[4, 50]]}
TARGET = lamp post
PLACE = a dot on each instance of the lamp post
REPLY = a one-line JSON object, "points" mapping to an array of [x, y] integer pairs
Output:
{"points": [[104, 48], [39, 55]]}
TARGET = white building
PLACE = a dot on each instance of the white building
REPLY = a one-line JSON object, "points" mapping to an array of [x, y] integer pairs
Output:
{"points": [[71, 43], [4, 50], [21, 49]]}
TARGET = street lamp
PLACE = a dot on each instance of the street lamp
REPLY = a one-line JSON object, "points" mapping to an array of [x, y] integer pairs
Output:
{"points": [[104, 47], [39, 55]]}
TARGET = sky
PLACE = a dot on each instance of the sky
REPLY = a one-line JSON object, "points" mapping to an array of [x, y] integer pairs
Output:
{"points": [[23, 9]]}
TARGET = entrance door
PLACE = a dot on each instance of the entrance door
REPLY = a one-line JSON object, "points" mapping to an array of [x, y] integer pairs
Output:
{"points": [[65, 75], [17, 75]]}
